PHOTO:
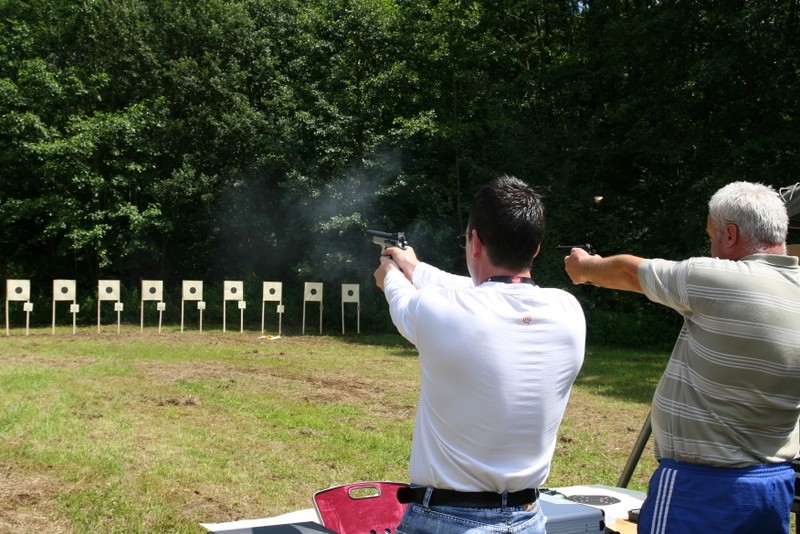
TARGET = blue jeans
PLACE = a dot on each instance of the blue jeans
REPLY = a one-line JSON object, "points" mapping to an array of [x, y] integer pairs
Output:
{"points": [[420, 519]]}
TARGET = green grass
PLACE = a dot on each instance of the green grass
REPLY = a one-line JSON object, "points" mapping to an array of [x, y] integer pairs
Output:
{"points": [[157, 432], [149, 432]]}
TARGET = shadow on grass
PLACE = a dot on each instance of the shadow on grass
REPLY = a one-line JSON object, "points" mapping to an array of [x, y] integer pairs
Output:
{"points": [[626, 374], [391, 344], [623, 373]]}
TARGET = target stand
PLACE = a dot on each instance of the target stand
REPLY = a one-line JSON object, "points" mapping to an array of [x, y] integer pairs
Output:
{"points": [[193, 292], [312, 293], [233, 291], [109, 290], [64, 291], [152, 290], [273, 292], [19, 291], [350, 295]]}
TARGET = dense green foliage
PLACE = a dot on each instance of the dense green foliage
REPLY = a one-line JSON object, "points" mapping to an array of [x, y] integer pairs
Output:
{"points": [[258, 139]]}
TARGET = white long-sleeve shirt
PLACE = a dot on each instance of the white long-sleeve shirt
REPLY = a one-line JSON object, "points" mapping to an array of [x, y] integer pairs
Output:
{"points": [[498, 363]]}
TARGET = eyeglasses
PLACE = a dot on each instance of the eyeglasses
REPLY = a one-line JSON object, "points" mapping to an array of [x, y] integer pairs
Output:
{"points": [[462, 240]]}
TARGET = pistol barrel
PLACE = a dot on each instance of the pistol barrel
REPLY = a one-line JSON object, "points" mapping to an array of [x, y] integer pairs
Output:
{"points": [[585, 246], [388, 239]]}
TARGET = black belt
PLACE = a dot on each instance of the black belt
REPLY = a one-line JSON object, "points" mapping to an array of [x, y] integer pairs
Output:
{"points": [[462, 499]]}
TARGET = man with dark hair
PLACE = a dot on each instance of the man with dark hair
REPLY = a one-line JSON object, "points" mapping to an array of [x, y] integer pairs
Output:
{"points": [[499, 355], [725, 412]]}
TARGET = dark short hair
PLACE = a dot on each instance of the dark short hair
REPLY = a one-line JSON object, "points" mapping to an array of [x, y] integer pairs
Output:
{"points": [[509, 217]]}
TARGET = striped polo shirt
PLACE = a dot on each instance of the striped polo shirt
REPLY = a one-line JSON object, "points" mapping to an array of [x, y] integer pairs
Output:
{"points": [[730, 395]]}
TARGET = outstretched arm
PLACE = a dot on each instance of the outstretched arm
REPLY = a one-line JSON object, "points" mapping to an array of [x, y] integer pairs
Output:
{"points": [[615, 272]]}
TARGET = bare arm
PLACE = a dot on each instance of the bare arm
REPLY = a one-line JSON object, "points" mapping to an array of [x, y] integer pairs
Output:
{"points": [[615, 272]]}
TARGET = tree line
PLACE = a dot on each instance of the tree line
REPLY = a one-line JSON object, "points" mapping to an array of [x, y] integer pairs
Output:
{"points": [[258, 139]]}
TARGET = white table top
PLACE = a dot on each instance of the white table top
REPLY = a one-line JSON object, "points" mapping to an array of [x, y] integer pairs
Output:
{"points": [[628, 499]]}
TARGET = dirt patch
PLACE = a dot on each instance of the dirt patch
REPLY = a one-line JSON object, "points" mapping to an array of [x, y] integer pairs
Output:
{"points": [[172, 372], [26, 503], [61, 363], [190, 400], [320, 388]]}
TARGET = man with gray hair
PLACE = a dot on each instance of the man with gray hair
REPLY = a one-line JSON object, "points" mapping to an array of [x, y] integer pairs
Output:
{"points": [[725, 412]]}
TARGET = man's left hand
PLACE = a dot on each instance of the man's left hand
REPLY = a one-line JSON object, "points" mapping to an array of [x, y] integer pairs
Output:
{"points": [[383, 269]]}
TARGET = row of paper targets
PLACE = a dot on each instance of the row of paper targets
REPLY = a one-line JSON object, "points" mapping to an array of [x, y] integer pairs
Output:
{"points": [[192, 291]]}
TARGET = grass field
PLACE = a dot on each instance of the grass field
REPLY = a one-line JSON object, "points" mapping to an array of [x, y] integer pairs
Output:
{"points": [[157, 432]]}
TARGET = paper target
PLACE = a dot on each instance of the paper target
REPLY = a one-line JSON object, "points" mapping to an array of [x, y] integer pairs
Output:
{"points": [[192, 290], [350, 293], [18, 290], [152, 290], [233, 290], [273, 291], [313, 292], [108, 290], [64, 290]]}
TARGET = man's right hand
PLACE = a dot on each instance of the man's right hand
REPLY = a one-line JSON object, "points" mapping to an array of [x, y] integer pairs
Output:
{"points": [[405, 258], [614, 272], [576, 266]]}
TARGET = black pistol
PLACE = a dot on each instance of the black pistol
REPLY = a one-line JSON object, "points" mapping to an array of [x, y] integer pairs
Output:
{"points": [[388, 239], [585, 246]]}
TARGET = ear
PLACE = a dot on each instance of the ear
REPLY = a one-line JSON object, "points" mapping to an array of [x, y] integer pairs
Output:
{"points": [[538, 249], [730, 236], [477, 244]]}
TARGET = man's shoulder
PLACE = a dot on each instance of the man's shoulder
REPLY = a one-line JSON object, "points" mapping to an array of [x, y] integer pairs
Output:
{"points": [[557, 292], [716, 271], [689, 264], [745, 263]]}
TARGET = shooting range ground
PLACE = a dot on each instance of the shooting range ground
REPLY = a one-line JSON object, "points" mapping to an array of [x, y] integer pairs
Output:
{"points": [[158, 432]]}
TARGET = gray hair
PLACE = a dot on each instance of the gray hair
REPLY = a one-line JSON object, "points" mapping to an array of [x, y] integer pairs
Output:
{"points": [[758, 210]]}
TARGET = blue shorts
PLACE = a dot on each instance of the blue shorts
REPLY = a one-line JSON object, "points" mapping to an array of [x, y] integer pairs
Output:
{"points": [[685, 497]]}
